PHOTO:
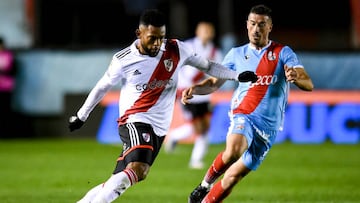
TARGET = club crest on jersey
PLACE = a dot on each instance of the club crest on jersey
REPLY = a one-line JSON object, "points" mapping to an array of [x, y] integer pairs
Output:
{"points": [[168, 64], [271, 56], [146, 137]]}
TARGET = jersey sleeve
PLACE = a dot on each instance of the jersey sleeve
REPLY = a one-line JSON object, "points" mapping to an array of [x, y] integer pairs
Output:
{"points": [[185, 49], [111, 77], [228, 60], [114, 71], [290, 58]]}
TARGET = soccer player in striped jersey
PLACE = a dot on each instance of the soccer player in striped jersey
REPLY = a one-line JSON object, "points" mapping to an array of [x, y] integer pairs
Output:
{"points": [[148, 72], [257, 109]]}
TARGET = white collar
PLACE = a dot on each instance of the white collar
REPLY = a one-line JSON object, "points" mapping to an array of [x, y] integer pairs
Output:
{"points": [[265, 47]]}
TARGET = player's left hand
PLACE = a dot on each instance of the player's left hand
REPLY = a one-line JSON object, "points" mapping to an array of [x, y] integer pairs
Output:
{"points": [[290, 74], [247, 76]]}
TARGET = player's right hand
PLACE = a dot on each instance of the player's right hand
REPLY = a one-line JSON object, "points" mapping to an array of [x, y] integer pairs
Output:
{"points": [[75, 123], [247, 76], [290, 74], [186, 95]]}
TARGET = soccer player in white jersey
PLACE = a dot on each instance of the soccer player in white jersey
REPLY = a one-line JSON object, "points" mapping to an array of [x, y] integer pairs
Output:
{"points": [[257, 109], [197, 114], [148, 73]]}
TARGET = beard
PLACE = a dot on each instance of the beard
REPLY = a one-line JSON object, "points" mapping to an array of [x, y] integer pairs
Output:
{"points": [[148, 51]]}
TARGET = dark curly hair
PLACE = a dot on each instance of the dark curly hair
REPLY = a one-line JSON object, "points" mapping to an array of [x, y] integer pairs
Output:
{"points": [[152, 17]]}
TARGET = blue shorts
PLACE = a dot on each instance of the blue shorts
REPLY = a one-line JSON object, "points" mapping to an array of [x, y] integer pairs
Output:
{"points": [[259, 140]]}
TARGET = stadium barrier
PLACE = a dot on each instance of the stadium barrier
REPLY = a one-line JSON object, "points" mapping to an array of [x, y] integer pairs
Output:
{"points": [[311, 117]]}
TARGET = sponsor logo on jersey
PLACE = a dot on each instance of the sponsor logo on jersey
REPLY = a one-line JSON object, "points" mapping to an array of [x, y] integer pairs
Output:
{"points": [[154, 84], [168, 64], [265, 80]]}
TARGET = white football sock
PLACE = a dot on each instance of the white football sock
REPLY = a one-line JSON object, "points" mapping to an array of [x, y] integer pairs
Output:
{"points": [[91, 194], [115, 186], [199, 150]]}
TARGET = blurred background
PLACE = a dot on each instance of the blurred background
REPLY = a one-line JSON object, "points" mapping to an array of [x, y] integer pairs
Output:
{"points": [[62, 47]]}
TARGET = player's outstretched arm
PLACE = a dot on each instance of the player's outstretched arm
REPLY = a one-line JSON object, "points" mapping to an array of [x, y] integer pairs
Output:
{"points": [[96, 94], [206, 86], [219, 71]]}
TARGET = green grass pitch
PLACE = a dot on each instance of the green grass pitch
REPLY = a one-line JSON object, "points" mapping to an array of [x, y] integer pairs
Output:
{"points": [[63, 170]]}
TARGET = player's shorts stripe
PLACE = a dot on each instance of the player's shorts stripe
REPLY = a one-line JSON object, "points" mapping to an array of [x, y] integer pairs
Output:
{"points": [[134, 137]]}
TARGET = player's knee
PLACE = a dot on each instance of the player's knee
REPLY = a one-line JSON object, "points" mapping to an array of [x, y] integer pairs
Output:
{"points": [[230, 156], [140, 169], [235, 177], [142, 176]]}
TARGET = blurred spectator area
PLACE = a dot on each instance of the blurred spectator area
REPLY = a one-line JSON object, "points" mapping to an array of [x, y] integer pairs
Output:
{"points": [[81, 24], [322, 34], [64, 46], [302, 24]]}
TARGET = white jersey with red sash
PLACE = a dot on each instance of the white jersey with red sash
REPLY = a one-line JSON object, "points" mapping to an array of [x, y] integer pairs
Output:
{"points": [[148, 85], [262, 102]]}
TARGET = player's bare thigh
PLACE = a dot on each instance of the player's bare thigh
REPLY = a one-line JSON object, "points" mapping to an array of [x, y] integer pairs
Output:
{"points": [[236, 145]]}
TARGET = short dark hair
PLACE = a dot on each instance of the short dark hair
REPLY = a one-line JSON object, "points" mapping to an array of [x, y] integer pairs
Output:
{"points": [[261, 9], [152, 17]]}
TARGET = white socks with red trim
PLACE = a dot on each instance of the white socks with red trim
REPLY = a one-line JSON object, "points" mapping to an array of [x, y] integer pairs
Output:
{"points": [[91, 194], [112, 189]]}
